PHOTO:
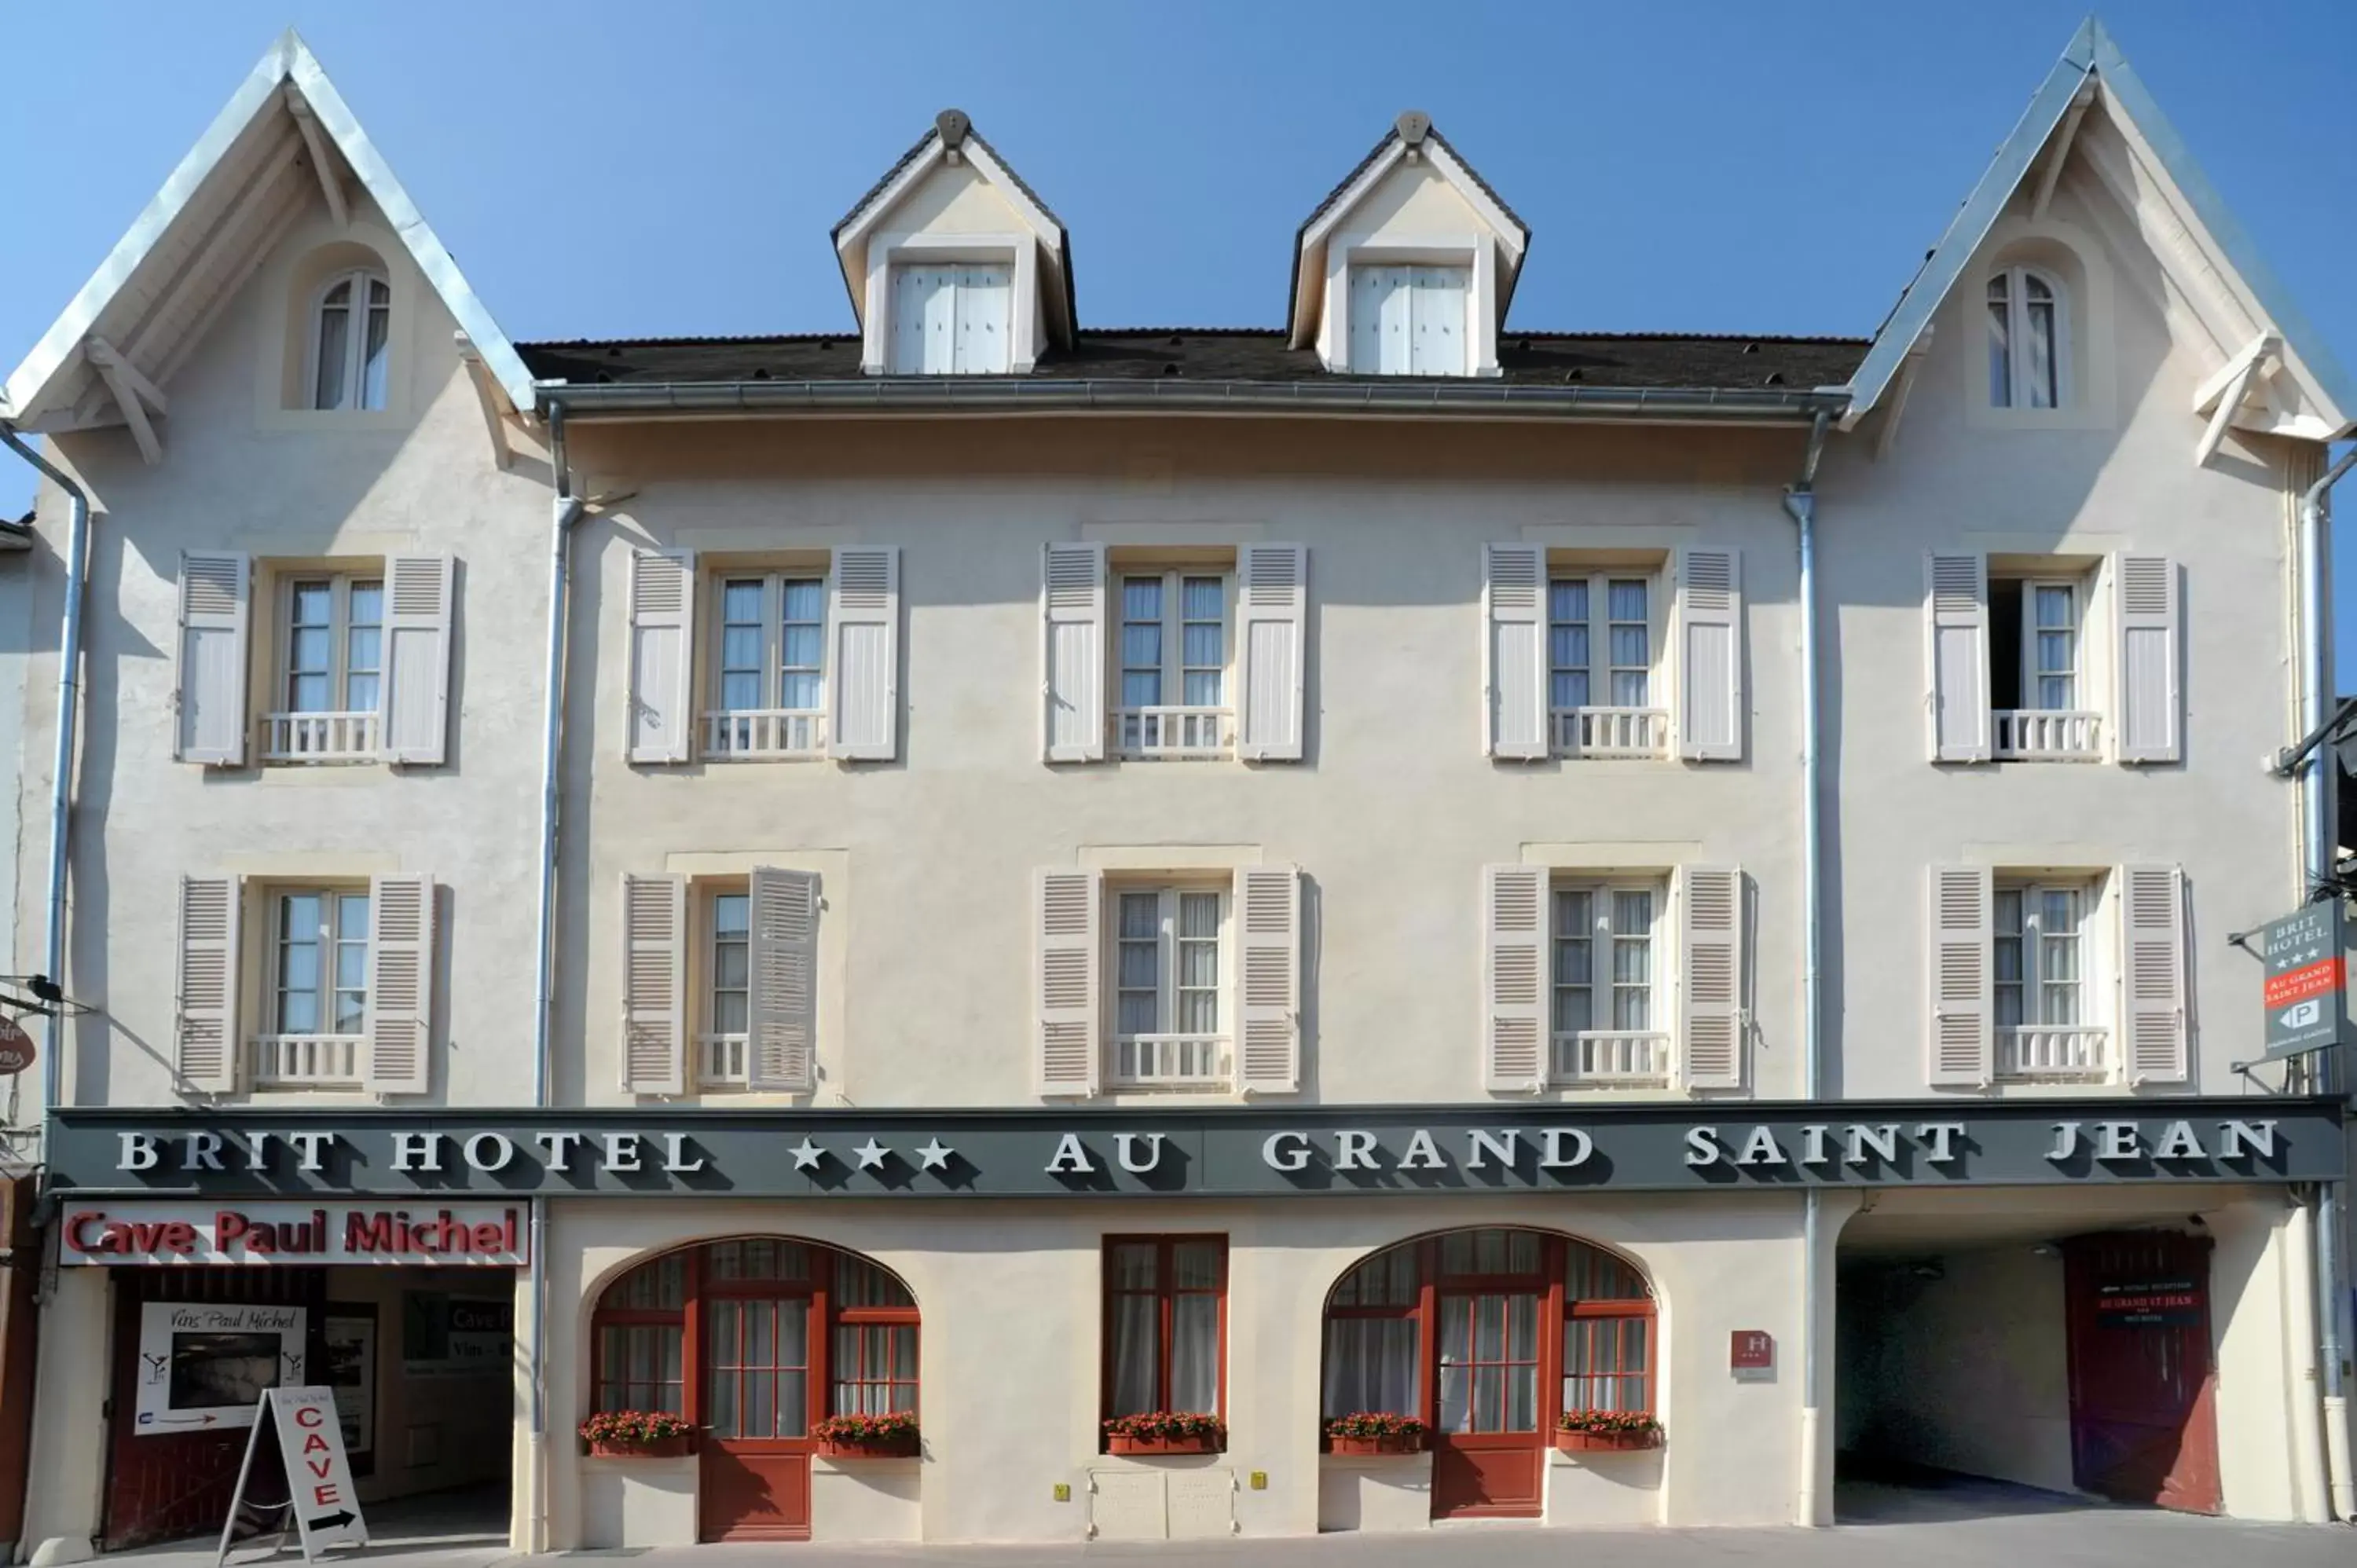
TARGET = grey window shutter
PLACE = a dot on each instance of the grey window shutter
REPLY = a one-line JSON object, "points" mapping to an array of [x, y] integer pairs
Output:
{"points": [[1272, 642], [204, 1021], [1710, 948], [417, 632], [1066, 1026], [1955, 606], [2152, 707], [1513, 977], [662, 656], [654, 985], [398, 1019], [1072, 610], [1514, 660], [1710, 655], [2153, 1024], [208, 696], [1961, 1040], [784, 1051], [863, 719], [1268, 927]]}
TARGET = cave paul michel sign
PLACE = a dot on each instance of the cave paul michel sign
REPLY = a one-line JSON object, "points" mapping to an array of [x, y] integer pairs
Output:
{"points": [[1254, 1152]]}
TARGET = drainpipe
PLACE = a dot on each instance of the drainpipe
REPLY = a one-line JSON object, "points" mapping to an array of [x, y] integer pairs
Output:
{"points": [[53, 962], [2316, 801], [565, 512], [1800, 501]]}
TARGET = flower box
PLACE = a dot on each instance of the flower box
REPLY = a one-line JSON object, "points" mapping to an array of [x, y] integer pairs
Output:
{"points": [[1166, 1431], [1199, 1443], [637, 1435], [1602, 1442], [901, 1447], [645, 1448], [1374, 1432], [893, 1435], [1389, 1443]]}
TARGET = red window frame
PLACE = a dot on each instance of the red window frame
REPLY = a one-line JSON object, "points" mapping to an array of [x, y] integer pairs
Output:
{"points": [[610, 1315], [891, 1375], [1166, 1292]]}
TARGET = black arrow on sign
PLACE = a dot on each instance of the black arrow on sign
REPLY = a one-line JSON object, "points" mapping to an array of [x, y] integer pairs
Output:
{"points": [[336, 1520]]}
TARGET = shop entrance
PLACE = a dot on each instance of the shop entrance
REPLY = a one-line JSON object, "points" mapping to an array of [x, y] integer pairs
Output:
{"points": [[2144, 1415], [1488, 1456]]}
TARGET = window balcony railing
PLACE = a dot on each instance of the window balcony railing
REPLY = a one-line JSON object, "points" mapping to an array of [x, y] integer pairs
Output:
{"points": [[1170, 1061], [306, 1061], [764, 735], [1174, 732], [2048, 734], [720, 1062], [2070, 1053], [319, 737], [1613, 1058], [1611, 732]]}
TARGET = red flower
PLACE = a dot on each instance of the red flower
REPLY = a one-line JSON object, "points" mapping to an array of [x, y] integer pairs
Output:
{"points": [[633, 1426]]}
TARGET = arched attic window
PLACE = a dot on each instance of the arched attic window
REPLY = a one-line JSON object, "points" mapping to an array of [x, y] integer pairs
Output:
{"points": [[2027, 336], [351, 329]]}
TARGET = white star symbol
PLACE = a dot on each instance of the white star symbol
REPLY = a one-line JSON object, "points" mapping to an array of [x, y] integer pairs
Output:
{"points": [[806, 1155], [935, 1155], [871, 1154]]}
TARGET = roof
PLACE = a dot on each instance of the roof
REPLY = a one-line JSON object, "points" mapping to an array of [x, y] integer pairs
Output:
{"points": [[1382, 143], [1245, 354], [159, 289], [2092, 55]]}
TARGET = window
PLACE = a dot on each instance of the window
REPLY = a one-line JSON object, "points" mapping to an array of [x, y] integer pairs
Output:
{"points": [[1603, 706], [2038, 687], [350, 334], [2044, 1014], [875, 1366], [316, 1001], [641, 1338], [954, 318], [1174, 663], [769, 667], [328, 702], [2024, 340], [1608, 1025], [1167, 978], [1165, 1308], [1463, 1330], [1408, 320], [728, 1000]]}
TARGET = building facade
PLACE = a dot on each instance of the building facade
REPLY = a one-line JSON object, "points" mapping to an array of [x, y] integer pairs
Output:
{"points": [[1671, 888]]}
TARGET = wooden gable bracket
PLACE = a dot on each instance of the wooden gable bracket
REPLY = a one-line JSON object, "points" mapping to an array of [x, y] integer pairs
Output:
{"points": [[315, 142], [2221, 397], [134, 393], [499, 419], [1908, 367], [2060, 154]]}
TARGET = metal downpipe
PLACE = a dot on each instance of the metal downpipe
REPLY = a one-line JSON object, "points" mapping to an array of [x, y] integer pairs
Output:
{"points": [[1801, 503], [53, 960]]}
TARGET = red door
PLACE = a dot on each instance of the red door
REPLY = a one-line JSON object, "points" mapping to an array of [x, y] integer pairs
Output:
{"points": [[758, 1388], [1488, 1456], [2143, 1418]]}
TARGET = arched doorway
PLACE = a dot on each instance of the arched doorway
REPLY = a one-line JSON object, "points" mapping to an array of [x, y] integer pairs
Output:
{"points": [[1488, 1335], [754, 1341]]}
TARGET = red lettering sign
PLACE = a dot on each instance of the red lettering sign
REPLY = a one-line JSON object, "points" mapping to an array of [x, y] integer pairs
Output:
{"points": [[323, 1496], [306, 1417], [1749, 1349], [2299, 984]]}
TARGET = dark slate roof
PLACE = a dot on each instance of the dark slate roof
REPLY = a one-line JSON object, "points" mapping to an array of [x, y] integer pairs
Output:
{"points": [[1246, 354]]}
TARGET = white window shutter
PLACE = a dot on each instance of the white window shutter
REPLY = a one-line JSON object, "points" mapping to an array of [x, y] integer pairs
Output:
{"points": [[2151, 705], [1366, 345], [204, 1022], [1272, 639], [863, 670], [1710, 952], [416, 700], [1514, 665], [1268, 1015], [1956, 605], [2152, 1023], [1513, 977], [662, 655], [1072, 610], [1068, 1023], [654, 985], [1710, 655], [1961, 1041], [398, 1019], [216, 609], [784, 1051]]}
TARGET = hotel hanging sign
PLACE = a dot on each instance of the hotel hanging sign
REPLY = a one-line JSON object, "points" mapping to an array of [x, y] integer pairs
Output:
{"points": [[1258, 1151]]}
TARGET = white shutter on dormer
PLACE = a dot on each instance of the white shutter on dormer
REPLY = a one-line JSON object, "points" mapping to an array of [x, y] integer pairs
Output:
{"points": [[1066, 1025], [662, 655], [1961, 1041], [1514, 656], [216, 606], [398, 1018], [1710, 655], [2151, 706], [204, 1013], [863, 621], [417, 630], [1073, 612], [1268, 1011], [2153, 1026], [654, 985], [1955, 605], [1272, 623], [1513, 977], [1710, 952], [782, 1053]]}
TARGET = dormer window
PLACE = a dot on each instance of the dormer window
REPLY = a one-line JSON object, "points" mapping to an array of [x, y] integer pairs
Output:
{"points": [[351, 329], [2025, 340], [952, 319], [1408, 320]]}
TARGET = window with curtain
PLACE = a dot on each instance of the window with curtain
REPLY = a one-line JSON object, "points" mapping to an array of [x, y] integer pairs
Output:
{"points": [[1165, 1307], [351, 334], [2025, 340], [640, 1338]]}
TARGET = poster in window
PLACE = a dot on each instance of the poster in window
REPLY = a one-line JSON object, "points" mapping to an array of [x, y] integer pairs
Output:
{"points": [[351, 1372], [203, 1365], [444, 1336]]}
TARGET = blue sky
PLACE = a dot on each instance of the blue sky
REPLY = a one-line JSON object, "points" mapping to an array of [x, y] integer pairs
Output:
{"points": [[609, 167]]}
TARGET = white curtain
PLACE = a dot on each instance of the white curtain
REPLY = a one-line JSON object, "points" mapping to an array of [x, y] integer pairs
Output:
{"points": [[1370, 1366]]}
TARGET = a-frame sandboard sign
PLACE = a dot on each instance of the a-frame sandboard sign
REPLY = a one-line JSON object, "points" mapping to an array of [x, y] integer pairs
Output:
{"points": [[322, 1507]]}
